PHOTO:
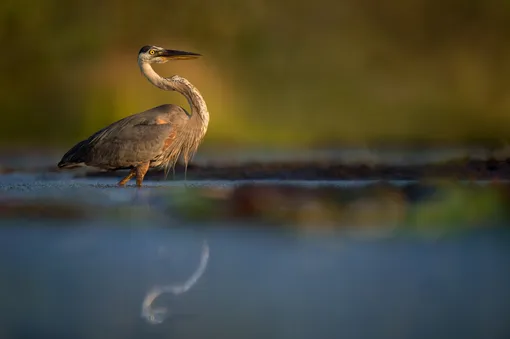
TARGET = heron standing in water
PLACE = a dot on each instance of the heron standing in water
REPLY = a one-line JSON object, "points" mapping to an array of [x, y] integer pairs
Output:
{"points": [[155, 138]]}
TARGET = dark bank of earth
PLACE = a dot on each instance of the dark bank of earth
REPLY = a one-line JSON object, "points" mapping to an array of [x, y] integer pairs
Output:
{"points": [[453, 170]]}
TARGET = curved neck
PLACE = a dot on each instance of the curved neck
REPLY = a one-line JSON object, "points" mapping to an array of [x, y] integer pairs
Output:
{"points": [[182, 86]]}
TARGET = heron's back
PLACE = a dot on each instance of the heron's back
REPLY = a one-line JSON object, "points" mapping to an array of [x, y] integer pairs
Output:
{"points": [[138, 138]]}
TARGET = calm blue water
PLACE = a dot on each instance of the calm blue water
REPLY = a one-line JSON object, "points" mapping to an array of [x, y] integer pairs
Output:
{"points": [[89, 281], [84, 271]]}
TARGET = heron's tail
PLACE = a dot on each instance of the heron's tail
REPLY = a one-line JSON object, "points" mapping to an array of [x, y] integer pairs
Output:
{"points": [[75, 157]]}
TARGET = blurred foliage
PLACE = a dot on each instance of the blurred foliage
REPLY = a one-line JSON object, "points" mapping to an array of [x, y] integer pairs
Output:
{"points": [[274, 72], [433, 209], [381, 209]]}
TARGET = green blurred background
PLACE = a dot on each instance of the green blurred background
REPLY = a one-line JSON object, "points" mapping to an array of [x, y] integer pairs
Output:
{"points": [[275, 73]]}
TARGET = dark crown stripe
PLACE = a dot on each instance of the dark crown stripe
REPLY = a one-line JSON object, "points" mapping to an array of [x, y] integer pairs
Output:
{"points": [[144, 49]]}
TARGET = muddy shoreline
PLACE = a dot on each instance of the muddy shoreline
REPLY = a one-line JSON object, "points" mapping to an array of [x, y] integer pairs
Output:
{"points": [[453, 170]]}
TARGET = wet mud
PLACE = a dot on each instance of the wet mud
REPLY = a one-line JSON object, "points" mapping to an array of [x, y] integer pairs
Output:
{"points": [[453, 170]]}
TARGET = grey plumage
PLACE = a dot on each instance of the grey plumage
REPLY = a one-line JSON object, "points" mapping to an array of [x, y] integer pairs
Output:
{"points": [[153, 138]]}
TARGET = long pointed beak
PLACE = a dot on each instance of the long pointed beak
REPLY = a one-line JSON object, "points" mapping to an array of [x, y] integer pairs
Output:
{"points": [[171, 54]]}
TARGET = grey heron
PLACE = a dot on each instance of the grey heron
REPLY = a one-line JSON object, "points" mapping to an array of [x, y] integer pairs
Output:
{"points": [[154, 138]]}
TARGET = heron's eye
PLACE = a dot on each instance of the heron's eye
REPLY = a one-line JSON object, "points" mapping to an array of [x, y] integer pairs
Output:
{"points": [[151, 52]]}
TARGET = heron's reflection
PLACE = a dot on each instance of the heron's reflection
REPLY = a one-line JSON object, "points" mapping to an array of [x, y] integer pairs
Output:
{"points": [[158, 314]]}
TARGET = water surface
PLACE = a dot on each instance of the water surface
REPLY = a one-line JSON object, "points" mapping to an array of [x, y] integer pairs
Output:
{"points": [[322, 259]]}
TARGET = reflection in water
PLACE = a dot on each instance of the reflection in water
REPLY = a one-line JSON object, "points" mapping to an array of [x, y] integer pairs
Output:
{"points": [[158, 315], [63, 280]]}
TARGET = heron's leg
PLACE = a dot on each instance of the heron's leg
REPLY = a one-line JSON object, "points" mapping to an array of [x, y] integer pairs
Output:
{"points": [[128, 177], [141, 170]]}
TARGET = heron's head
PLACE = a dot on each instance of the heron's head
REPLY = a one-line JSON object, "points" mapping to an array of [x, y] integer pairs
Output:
{"points": [[159, 55]]}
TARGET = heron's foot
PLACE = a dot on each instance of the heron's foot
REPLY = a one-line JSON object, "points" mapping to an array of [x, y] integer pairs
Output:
{"points": [[141, 170], [128, 177]]}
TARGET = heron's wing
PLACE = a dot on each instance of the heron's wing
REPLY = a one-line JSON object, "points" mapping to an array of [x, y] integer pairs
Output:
{"points": [[128, 143]]}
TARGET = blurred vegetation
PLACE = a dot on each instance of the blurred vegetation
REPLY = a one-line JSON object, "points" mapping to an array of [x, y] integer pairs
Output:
{"points": [[430, 209], [275, 73]]}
